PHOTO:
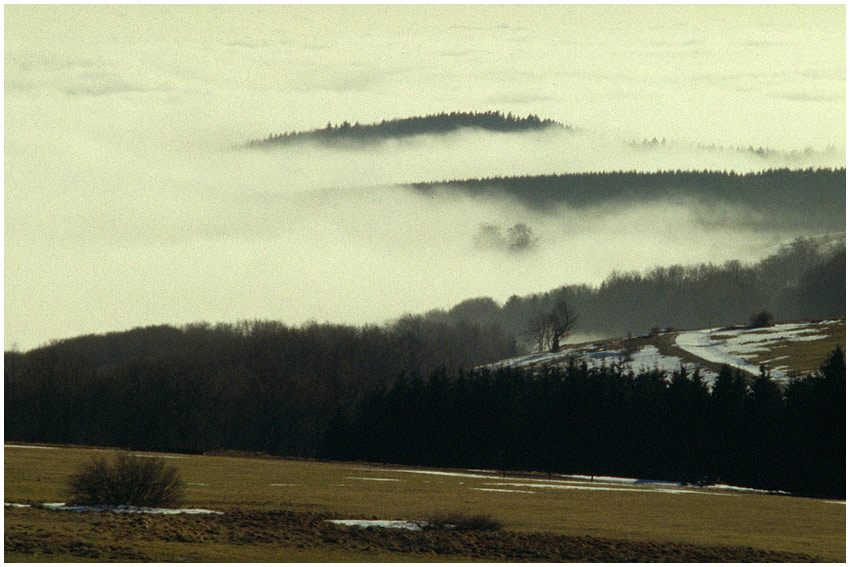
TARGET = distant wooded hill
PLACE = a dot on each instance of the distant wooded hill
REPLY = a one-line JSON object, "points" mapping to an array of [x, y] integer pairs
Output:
{"points": [[404, 127], [760, 151], [814, 199], [803, 280]]}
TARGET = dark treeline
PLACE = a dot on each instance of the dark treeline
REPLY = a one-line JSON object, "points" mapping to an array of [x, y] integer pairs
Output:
{"points": [[803, 280], [608, 422], [258, 386], [814, 199], [417, 125]]}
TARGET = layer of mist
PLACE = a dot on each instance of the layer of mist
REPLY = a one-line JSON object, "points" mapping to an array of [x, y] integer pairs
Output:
{"points": [[130, 199]]}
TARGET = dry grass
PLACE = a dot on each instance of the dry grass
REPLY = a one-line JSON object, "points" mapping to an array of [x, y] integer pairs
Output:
{"points": [[349, 490], [287, 536]]}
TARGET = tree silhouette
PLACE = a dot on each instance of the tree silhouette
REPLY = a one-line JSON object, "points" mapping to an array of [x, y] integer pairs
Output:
{"points": [[562, 320]]}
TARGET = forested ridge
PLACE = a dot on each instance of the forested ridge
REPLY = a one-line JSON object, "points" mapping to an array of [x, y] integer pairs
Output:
{"points": [[814, 199], [804, 279], [760, 151], [256, 386], [441, 123]]}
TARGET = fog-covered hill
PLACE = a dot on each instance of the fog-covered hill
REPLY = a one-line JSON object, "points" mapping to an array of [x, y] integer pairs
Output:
{"points": [[812, 199], [396, 128]]}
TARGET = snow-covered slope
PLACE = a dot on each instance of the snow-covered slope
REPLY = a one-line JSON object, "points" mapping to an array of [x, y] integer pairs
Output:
{"points": [[785, 349]]}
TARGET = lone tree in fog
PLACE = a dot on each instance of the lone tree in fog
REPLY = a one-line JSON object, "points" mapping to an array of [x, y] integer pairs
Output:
{"points": [[562, 320], [548, 328]]}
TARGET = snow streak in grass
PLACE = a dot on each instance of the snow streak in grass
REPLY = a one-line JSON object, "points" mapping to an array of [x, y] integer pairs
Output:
{"points": [[436, 473], [503, 490], [587, 482], [397, 524], [27, 447], [611, 488], [61, 506], [375, 479], [161, 456], [700, 344]]}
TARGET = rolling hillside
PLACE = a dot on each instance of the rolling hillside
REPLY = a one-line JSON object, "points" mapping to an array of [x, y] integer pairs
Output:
{"points": [[785, 349]]}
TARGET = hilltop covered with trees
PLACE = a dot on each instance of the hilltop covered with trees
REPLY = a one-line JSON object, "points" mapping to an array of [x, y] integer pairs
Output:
{"points": [[442, 123], [805, 279], [254, 386], [814, 199]]}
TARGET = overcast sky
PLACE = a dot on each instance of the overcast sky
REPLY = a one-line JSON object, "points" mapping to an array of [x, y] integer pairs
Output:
{"points": [[129, 201]]}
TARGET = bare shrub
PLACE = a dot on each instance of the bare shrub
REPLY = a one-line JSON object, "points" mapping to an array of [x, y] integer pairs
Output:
{"points": [[127, 481], [761, 319], [464, 522]]}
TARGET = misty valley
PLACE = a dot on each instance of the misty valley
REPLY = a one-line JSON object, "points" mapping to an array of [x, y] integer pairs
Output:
{"points": [[329, 390], [425, 283]]}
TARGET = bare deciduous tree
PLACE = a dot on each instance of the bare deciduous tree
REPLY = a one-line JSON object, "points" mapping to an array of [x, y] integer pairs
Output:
{"points": [[547, 329], [539, 330], [562, 320]]}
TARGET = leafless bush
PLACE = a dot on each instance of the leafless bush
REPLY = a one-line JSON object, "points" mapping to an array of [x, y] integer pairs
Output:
{"points": [[761, 319], [128, 481]]}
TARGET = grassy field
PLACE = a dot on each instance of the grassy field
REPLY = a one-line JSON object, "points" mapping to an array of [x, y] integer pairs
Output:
{"points": [[275, 510]]}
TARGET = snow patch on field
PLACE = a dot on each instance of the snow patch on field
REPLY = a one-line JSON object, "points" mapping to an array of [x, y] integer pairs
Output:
{"points": [[438, 473], [126, 509], [374, 479], [530, 360], [648, 358], [27, 447], [15, 505], [396, 524], [502, 490], [734, 346], [588, 482], [617, 479], [161, 456], [648, 490], [700, 344], [743, 489]]}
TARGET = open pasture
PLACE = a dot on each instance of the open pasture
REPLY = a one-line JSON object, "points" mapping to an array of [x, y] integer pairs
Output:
{"points": [[275, 509]]}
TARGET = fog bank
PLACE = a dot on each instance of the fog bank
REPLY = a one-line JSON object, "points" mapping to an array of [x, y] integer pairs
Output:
{"points": [[129, 199]]}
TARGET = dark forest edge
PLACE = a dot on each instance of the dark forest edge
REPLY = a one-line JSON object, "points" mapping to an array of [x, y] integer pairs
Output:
{"points": [[814, 199], [604, 421], [611, 422], [442, 123]]}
